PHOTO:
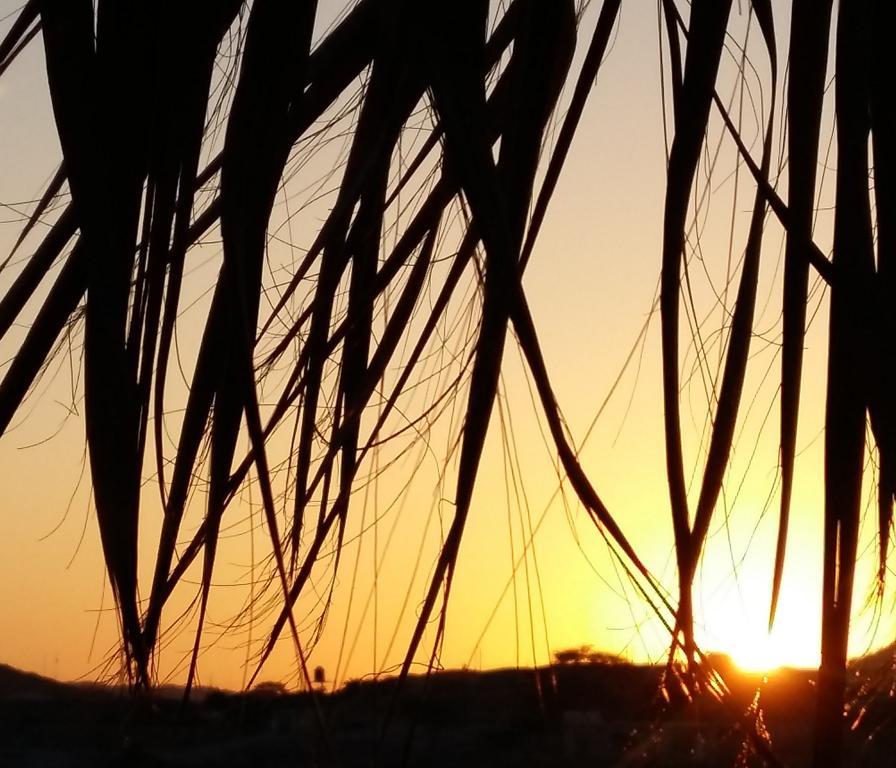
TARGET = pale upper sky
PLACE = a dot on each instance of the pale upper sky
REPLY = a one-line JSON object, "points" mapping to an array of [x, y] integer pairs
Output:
{"points": [[591, 284]]}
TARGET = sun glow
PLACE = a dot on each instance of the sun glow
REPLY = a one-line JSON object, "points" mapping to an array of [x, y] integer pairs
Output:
{"points": [[736, 622], [763, 652]]}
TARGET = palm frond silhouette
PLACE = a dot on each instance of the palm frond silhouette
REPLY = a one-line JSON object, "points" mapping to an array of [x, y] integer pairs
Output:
{"points": [[166, 143]]}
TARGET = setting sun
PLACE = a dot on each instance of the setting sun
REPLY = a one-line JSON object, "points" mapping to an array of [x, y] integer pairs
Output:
{"points": [[761, 652], [735, 614]]}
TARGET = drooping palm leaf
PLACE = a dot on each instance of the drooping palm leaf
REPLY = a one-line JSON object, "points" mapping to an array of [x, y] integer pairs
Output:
{"points": [[731, 390], [809, 32], [883, 416], [57, 310], [37, 268], [499, 199], [22, 31], [847, 392], [256, 148], [609, 12], [708, 22], [95, 94], [393, 91]]}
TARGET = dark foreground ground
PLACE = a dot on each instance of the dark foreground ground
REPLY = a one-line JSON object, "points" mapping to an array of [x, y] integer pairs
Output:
{"points": [[571, 715]]}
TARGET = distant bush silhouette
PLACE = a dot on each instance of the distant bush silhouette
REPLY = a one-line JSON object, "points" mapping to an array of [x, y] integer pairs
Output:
{"points": [[269, 688], [585, 654]]}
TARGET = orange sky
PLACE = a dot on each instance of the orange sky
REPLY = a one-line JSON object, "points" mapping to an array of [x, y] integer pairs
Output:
{"points": [[591, 284]]}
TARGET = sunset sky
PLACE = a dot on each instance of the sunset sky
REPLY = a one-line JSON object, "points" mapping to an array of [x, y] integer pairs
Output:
{"points": [[592, 284]]}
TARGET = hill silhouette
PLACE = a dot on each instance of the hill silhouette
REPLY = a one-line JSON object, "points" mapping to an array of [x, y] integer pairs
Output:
{"points": [[16, 682], [565, 715]]}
